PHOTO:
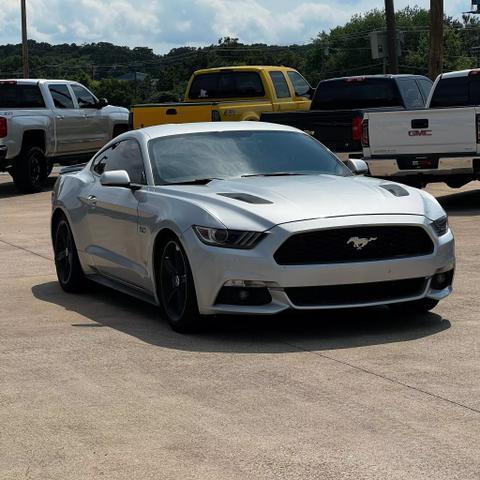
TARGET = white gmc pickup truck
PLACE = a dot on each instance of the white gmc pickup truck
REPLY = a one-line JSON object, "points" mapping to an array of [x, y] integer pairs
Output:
{"points": [[438, 144], [47, 121]]}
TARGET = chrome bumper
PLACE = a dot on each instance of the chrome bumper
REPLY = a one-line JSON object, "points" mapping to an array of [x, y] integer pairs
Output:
{"points": [[384, 167]]}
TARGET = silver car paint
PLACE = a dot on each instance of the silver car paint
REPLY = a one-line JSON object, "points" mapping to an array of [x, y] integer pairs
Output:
{"points": [[117, 240]]}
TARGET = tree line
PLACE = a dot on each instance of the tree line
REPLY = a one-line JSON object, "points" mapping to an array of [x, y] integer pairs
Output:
{"points": [[344, 50]]}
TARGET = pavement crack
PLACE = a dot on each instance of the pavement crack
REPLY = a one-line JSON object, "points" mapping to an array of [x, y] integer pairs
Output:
{"points": [[26, 250], [384, 377]]}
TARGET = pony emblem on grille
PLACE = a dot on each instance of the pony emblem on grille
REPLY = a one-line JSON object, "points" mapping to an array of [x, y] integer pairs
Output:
{"points": [[359, 243]]}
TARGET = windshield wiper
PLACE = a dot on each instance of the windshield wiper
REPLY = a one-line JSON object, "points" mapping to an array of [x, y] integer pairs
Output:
{"points": [[273, 174], [196, 181]]}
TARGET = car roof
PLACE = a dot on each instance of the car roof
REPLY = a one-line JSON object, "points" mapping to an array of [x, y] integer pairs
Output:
{"points": [[459, 73], [34, 81], [380, 76], [242, 68], [205, 127]]}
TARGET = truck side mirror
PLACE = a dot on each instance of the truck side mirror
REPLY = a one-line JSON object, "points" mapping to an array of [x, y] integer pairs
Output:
{"points": [[102, 102]]}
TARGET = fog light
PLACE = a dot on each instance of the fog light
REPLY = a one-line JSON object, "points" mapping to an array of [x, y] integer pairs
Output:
{"points": [[243, 295], [252, 296], [442, 280]]}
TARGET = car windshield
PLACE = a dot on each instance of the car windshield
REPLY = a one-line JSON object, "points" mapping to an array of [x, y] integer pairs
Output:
{"points": [[194, 156]]}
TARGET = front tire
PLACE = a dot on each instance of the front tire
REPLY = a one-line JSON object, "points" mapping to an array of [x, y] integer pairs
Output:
{"points": [[69, 271], [176, 290], [421, 306], [30, 170]]}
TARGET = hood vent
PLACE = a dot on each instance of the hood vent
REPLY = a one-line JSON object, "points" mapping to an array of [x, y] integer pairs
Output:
{"points": [[396, 190], [245, 197]]}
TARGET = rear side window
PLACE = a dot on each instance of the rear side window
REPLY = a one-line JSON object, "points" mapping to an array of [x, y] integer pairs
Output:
{"points": [[61, 96], [14, 95], [124, 155], [356, 93], [451, 92], [226, 85], [425, 86], [280, 85], [411, 93]]}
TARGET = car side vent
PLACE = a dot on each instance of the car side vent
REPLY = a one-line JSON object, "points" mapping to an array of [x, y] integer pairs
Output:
{"points": [[396, 190], [245, 197]]}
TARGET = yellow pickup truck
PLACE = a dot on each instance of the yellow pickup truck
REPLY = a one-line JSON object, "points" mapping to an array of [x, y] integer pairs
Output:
{"points": [[230, 94]]}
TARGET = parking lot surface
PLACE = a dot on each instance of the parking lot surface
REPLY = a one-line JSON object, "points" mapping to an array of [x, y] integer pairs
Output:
{"points": [[98, 386]]}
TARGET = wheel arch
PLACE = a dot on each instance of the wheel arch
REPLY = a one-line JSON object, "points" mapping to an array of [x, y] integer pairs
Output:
{"points": [[34, 138]]}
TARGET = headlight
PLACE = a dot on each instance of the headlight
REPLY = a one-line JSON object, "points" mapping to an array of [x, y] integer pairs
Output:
{"points": [[220, 237], [440, 225]]}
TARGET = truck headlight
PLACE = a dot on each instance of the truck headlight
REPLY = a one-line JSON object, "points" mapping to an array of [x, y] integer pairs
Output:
{"points": [[221, 237], [440, 225]]}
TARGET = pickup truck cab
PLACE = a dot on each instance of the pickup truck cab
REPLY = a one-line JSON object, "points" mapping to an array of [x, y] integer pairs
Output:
{"points": [[440, 143], [339, 104], [230, 94], [43, 122]]}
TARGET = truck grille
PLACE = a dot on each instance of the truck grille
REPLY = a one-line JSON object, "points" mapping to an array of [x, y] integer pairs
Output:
{"points": [[354, 244], [356, 294]]}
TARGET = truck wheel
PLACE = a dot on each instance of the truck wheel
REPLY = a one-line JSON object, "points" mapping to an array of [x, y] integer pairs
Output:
{"points": [[30, 170]]}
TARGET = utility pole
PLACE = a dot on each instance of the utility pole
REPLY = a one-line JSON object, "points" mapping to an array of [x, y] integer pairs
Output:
{"points": [[436, 39], [26, 73], [391, 36]]}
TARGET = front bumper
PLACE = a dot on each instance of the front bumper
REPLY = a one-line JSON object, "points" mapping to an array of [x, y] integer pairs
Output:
{"points": [[214, 267]]}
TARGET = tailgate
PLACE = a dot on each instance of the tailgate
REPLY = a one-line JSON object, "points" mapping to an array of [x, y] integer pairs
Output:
{"points": [[148, 115], [446, 131]]}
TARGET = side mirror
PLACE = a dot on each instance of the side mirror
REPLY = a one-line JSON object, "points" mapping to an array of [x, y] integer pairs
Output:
{"points": [[357, 166], [102, 102], [118, 178]]}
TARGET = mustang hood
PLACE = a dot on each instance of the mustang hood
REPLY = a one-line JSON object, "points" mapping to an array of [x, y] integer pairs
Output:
{"points": [[263, 202]]}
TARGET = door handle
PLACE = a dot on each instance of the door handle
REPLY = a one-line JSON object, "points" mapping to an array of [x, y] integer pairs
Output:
{"points": [[171, 111], [92, 201], [60, 117]]}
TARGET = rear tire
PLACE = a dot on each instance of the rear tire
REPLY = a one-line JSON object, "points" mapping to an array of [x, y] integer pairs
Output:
{"points": [[175, 287], [69, 271], [423, 305], [30, 170]]}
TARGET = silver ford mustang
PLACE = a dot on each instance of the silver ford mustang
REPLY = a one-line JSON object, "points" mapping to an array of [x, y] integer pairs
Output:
{"points": [[245, 218]]}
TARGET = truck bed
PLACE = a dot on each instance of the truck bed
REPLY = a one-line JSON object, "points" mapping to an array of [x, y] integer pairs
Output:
{"points": [[334, 128]]}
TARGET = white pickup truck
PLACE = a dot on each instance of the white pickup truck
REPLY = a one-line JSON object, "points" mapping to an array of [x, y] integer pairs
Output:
{"points": [[438, 144], [43, 122]]}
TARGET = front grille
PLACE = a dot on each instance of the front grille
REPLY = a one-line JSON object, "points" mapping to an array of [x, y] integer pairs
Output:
{"points": [[356, 294], [354, 244]]}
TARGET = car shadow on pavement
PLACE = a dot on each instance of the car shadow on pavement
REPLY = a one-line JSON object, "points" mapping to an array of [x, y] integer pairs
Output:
{"points": [[327, 330], [8, 189], [461, 203]]}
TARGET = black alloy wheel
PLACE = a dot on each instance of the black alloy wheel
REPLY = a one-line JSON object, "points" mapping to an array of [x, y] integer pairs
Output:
{"points": [[67, 264], [177, 292], [30, 170]]}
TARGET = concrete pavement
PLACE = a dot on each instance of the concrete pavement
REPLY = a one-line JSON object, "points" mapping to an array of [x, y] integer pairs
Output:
{"points": [[97, 385]]}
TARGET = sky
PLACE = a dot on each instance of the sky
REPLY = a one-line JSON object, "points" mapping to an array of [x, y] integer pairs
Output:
{"points": [[166, 24]]}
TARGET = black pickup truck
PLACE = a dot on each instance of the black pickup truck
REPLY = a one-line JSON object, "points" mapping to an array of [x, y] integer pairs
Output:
{"points": [[336, 113]]}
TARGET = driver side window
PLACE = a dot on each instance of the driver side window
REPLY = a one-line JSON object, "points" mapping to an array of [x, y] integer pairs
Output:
{"points": [[84, 98], [125, 155], [300, 85]]}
